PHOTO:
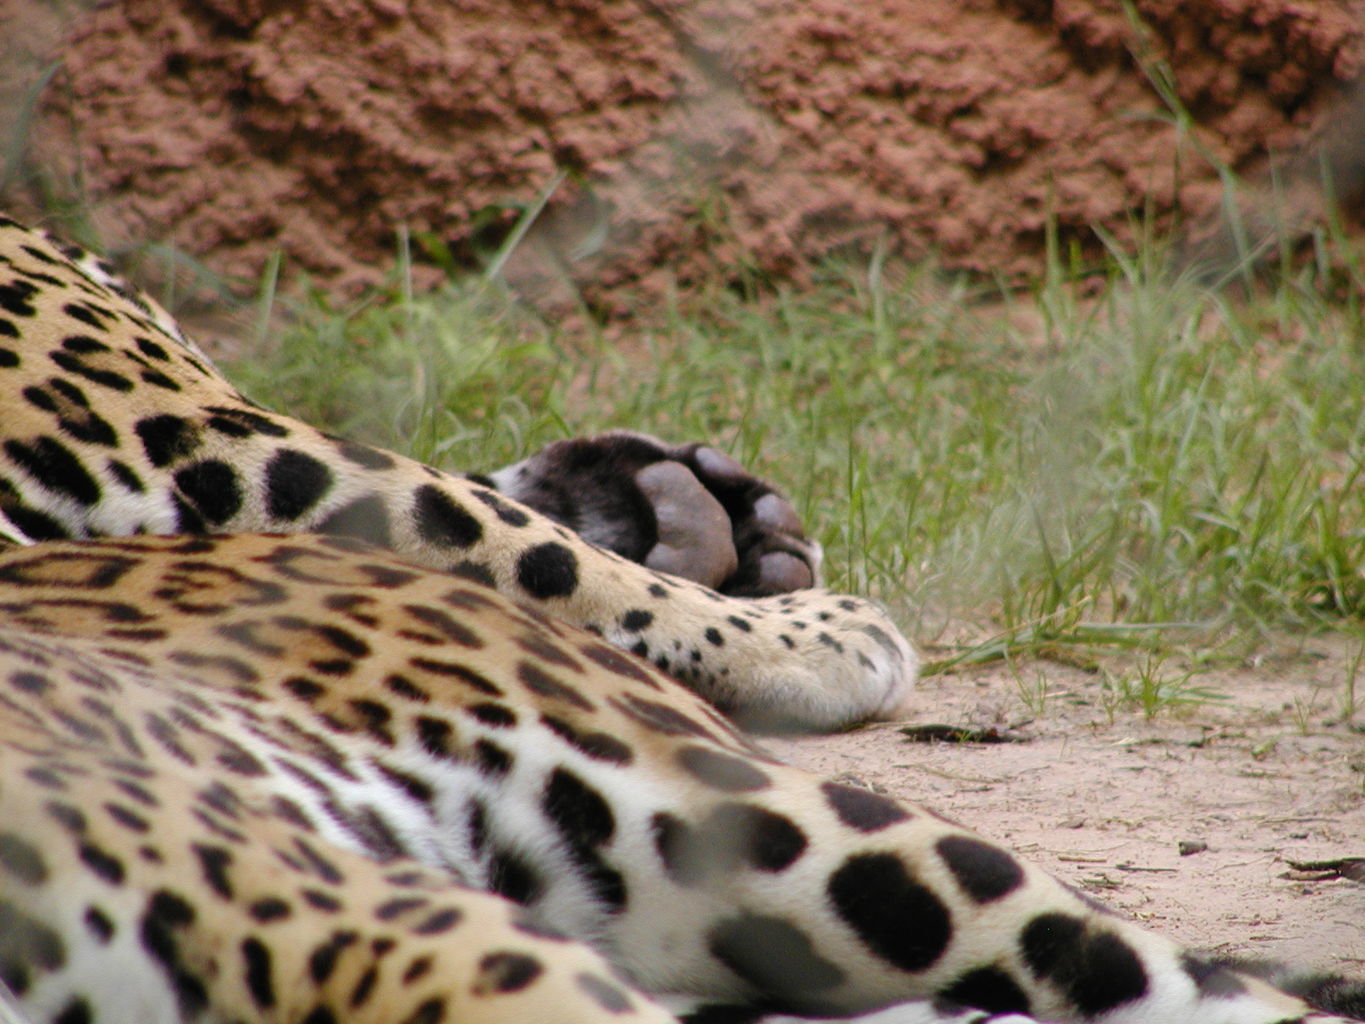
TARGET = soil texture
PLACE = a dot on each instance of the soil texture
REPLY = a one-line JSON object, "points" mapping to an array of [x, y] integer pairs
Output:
{"points": [[671, 138]]}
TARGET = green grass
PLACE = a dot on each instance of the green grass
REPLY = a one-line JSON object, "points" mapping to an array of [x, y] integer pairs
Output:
{"points": [[1111, 457]]}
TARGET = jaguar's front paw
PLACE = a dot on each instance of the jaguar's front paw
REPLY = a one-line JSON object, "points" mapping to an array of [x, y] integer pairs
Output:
{"points": [[690, 510]]}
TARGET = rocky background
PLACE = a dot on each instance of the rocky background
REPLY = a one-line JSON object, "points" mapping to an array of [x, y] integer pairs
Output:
{"points": [[673, 138]]}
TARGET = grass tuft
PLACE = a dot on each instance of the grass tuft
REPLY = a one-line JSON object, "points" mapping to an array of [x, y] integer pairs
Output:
{"points": [[1111, 459]]}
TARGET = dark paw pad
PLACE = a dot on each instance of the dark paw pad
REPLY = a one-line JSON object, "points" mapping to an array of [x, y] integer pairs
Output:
{"points": [[688, 510]]}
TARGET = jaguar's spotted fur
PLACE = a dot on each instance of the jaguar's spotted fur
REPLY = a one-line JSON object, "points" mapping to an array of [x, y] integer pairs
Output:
{"points": [[301, 778]]}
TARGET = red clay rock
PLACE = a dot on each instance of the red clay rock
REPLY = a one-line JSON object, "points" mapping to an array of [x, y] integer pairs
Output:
{"points": [[696, 136]]}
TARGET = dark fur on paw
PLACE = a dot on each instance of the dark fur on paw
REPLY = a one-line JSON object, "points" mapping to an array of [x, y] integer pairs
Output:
{"points": [[689, 510]]}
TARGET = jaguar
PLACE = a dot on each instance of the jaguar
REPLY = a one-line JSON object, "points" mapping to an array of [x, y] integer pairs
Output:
{"points": [[295, 729]]}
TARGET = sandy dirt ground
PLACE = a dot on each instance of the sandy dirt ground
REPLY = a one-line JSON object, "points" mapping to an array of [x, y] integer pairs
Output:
{"points": [[1268, 776]]}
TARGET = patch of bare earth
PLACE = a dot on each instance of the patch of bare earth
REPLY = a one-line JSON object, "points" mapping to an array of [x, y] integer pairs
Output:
{"points": [[696, 136], [1268, 776]]}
